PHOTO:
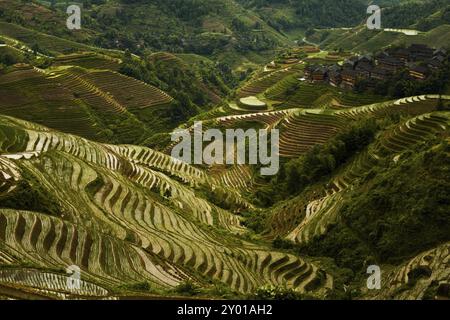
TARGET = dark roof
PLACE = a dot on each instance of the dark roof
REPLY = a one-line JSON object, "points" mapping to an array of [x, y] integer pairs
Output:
{"points": [[351, 61], [419, 69], [367, 57], [440, 51], [349, 72], [382, 54], [391, 60], [311, 67], [380, 71], [320, 70], [316, 69], [401, 52], [419, 47], [365, 66], [434, 62], [334, 72]]}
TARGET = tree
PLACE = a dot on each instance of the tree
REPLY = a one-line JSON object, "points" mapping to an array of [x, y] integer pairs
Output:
{"points": [[35, 47]]}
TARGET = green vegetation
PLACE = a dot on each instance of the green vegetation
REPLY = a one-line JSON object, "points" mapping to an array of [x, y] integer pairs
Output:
{"points": [[86, 176], [29, 195], [277, 293], [287, 15], [319, 162], [362, 40], [187, 288], [385, 225], [422, 15]]}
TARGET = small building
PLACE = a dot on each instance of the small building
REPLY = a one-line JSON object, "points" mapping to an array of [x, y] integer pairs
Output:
{"points": [[368, 58], [434, 64], [309, 71], [381, 55], [335, 76], [364, 69], [440, 53], [380, 73], [320, 74], [402, 54], [419, 72], [391, 64], [349, 78], [316, 73], [420, 52], [350, 63]]}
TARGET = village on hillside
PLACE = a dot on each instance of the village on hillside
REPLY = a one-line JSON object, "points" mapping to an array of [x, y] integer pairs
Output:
{"points": [[419, 60]]}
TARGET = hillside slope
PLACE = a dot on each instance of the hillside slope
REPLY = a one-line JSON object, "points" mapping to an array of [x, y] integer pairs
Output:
{"points": [[115, 212]]}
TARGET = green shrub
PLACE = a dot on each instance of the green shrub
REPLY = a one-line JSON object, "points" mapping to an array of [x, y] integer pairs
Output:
{"points": [[142, 286], [319, 162], [419, 272], [187, 288], [396, 217], [30, 195], [280, 243], [270, 292]]}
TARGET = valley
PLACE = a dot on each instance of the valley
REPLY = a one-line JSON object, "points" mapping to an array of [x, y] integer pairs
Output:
{"points": [[88, 181]]}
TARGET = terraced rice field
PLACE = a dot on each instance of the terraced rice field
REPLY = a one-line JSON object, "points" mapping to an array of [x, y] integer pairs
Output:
{"points": [[304, 129], [119, 92], [415, 105], [50, 43], [269, 119], [252, 103], [278, 90], [238, 177], [307, 95], [94, 104], [262, 83], [51, 284], [127, 91], [74, 79], [320, 213], [295, 93], [122, 221], [31, 95], [88, 61], [301, 129], [401, 283]]}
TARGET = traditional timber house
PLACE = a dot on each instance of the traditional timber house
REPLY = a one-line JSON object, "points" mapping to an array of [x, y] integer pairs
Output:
{"points": [[420, 52], [419, 72], [349, 78], [391, 64]]}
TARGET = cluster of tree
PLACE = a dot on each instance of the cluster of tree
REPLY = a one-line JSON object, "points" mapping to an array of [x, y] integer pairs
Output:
{"points": [[316, 13], [183, 108], [189, 86], [428, 23], [403, 211], [30, 195], [423, 15], [192, 11], [207, 43], [7, 59]]}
